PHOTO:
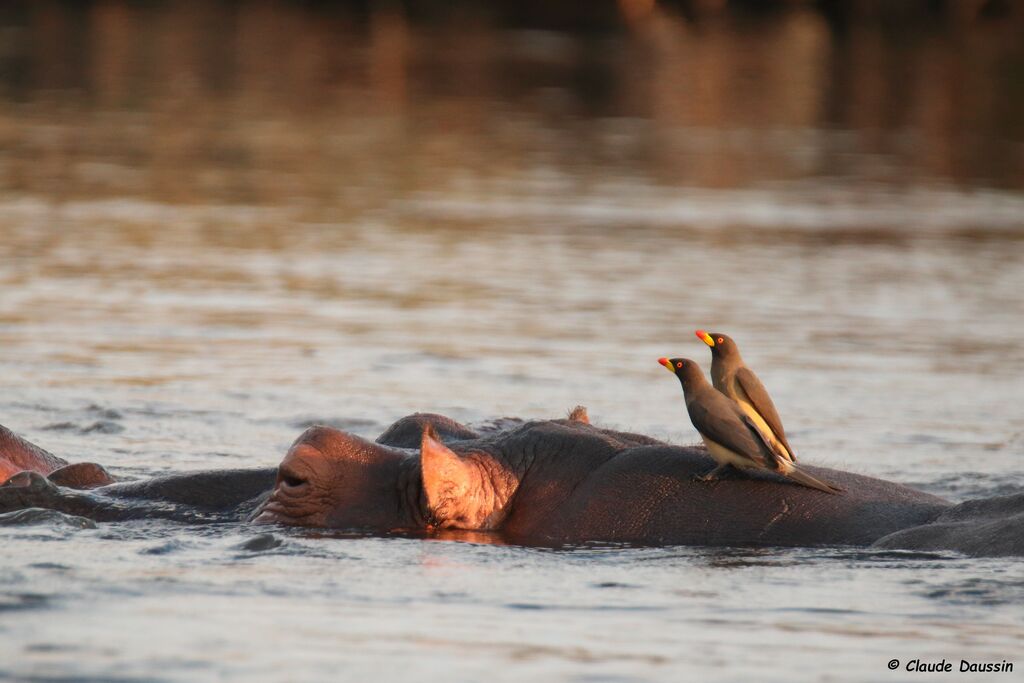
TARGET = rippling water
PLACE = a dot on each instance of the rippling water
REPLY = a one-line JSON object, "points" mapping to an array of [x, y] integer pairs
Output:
{"points": [[179, 293]]}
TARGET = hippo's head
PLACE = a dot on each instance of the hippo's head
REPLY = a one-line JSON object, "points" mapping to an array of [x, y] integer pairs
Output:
{"points": [[331, 478]]}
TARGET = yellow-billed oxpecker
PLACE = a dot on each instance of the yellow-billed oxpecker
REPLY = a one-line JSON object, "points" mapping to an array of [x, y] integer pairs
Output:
{"points": [[733, 378], [731, 436]]}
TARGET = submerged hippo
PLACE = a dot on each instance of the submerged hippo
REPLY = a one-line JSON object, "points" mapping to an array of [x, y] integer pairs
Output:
{"points": [[17, 455], [539, 483]]}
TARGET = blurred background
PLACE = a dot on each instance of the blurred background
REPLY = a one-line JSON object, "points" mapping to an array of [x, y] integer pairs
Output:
{"points": [[223, 221], [344, 109]]}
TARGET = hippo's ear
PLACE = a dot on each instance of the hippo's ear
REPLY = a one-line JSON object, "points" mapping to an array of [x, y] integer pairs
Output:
{"points": [[81, 475], [579, 414], [459, 495]]}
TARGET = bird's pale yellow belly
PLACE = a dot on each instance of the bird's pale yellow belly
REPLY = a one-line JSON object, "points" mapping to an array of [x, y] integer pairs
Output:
{"points": [[725, 456]]}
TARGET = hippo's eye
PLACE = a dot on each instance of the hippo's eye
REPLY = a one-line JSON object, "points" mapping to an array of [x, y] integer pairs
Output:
{"points": [[679, 364], [720, 340], [292, 480]]}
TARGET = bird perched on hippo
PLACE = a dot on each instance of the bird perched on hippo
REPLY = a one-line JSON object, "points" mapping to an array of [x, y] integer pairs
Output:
{"points": [[731, 436], [731, 376], [541, 482]]}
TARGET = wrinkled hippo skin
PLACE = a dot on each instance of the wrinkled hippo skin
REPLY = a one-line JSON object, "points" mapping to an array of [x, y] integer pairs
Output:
{"points": [[547, 483]]}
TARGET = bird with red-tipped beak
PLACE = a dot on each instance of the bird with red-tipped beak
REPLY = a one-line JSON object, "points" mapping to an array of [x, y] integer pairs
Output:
{"points": [[731, 376], [732, 438]]}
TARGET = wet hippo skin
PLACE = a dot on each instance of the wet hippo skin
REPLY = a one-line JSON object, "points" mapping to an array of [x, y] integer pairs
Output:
{"points": [[549, 482]]}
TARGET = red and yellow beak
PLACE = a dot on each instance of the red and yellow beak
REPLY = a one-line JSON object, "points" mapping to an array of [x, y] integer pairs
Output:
{"points": [[668, 365], [705, 337]]}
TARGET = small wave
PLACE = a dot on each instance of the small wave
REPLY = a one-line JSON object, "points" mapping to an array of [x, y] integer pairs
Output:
{"points": [[346, 423], [807, 208], [103, 413], [22, 601], [98, 427], [43, 517], [165, 548], [978, 591], [260, 543]]}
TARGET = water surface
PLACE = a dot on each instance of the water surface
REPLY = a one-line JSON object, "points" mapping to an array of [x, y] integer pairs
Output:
{"points": [[205, 253]]}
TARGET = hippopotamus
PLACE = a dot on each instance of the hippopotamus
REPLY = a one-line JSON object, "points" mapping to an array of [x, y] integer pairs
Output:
{"points": [[545, 483], [17, 455]]}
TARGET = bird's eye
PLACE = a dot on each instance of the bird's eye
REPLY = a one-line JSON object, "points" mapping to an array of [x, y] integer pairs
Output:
{"points": [[720, 340], [679, 364]]}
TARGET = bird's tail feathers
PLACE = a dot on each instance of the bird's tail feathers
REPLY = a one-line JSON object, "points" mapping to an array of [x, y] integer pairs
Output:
{"points": [[801, 477]]}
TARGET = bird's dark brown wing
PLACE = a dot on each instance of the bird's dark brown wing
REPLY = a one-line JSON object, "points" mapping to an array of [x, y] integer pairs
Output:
{"points": [[774, 454], [763, 404], [718, 418]]}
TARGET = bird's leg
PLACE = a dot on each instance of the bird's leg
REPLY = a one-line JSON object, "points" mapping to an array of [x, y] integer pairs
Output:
{"points": [[715, 474]]}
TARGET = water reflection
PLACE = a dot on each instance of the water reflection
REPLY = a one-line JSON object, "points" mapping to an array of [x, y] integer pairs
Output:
{"points": [[334, 109]]}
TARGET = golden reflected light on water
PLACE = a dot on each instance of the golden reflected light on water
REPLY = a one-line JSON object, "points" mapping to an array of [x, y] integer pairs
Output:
{"points": [[221, 222]]}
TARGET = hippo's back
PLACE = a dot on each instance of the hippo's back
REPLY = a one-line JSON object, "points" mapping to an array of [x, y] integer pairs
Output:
{"points": [[648, 495]]}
